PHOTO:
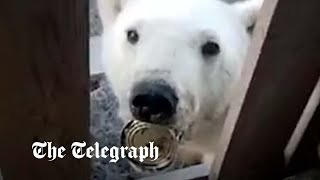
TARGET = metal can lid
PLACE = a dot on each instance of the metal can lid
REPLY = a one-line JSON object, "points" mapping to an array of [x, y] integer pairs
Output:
{"points": [[137, 134]]}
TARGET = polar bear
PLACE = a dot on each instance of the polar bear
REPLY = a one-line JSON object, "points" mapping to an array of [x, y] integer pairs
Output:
{"points": [[175, 62]]}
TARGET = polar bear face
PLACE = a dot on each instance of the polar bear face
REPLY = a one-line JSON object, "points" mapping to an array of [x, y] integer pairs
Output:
{"points": [[173, 62]]}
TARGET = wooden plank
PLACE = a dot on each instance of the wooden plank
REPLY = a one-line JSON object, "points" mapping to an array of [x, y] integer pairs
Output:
{"points": [[284, 77], [44, 92], [306, 156], [259, 34], [304, 122]]}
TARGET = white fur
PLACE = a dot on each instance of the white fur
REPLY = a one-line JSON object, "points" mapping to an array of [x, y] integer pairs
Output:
{"points": [[171, 33]]}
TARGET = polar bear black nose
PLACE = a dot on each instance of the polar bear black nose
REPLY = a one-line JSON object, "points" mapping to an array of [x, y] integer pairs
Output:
{"points": [[153, 102]]}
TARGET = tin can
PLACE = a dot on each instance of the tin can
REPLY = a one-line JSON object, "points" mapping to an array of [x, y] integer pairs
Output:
{"points": [[137, 134]]}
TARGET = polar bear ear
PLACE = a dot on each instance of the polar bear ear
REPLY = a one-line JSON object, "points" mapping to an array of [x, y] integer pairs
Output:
{"points": [[109, 10], [248, 11]]}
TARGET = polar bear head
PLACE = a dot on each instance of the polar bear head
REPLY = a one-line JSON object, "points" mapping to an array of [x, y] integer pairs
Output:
{"points": [[173, 62]]}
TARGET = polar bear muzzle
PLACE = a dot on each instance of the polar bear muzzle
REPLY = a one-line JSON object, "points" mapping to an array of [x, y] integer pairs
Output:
{"points": [[153, 101]]}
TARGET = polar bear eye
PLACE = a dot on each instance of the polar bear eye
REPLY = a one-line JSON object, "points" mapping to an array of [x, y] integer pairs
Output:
{"points": [[210, 48], [132, 36]]}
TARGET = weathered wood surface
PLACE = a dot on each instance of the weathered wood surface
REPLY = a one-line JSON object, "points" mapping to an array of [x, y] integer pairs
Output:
{"points": [[303, 127], [286, 72], [306, 156], [43, 86]]}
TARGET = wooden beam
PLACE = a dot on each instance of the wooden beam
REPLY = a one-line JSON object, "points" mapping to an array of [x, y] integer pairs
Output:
{"points": [[259, 35], [266, 112], [306, 155], [44, 85], [304, 122]]}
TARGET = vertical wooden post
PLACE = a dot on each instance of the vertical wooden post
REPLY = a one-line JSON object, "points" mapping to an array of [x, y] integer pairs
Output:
{"points": [[306, 155], [303, 124], [43, 86], [287, 70]]}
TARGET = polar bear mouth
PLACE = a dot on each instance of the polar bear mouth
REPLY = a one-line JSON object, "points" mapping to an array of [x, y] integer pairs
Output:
{"points": [[154, 101]]}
